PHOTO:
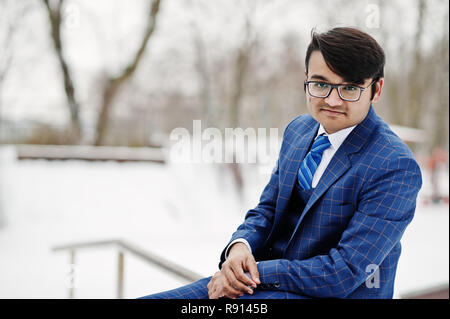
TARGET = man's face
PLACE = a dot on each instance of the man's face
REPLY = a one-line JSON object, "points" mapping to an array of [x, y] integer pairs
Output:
{"points": [[332, 112]]}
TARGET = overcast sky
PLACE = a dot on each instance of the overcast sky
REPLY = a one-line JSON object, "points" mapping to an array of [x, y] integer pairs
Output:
{"points": [[100, 36]]}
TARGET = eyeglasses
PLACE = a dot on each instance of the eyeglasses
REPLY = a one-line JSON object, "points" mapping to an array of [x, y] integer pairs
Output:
{"points": [[347, 92]]}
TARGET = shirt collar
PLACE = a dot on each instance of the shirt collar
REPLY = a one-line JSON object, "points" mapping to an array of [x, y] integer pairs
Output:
{"points": [[337, 138]]}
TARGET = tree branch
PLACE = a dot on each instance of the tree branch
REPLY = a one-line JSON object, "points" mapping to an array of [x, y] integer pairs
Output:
{"points": [[113, 84], [55, 19]]}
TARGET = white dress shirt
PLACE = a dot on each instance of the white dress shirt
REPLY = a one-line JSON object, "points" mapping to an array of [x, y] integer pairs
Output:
{"points": [[336, 139]]}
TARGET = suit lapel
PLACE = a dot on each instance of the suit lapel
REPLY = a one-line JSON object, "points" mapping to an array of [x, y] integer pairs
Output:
{"points": [[289, 175], [294, 158]]}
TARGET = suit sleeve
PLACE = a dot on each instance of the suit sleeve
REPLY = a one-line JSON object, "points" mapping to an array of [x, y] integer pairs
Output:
{"points": [[386, 206]]}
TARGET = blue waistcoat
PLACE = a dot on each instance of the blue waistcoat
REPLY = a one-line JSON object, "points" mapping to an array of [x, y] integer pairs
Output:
{"points": [[297, 203]]}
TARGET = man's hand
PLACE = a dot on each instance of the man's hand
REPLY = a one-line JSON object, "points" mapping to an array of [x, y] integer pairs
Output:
{"points": [[232, 281], [220, 287]]}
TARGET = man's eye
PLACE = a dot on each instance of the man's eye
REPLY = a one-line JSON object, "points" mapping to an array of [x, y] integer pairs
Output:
{"points": [[321, 85], [350, 88]]}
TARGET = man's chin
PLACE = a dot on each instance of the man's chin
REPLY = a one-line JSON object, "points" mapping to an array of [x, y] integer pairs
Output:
{"points": [[331, 126]]}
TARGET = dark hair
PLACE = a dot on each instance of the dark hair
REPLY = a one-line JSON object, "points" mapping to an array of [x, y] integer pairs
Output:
{"points": [[350, 53]]}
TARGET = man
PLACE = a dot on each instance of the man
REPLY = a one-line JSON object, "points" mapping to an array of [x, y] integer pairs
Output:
{"points": [[343, 191]]}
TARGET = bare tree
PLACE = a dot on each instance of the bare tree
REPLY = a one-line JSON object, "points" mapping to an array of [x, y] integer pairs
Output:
{"points": [[416, 83], [6, 43], [241, 69], [12, 15], [113, 84], [6, 54], [440, 120], [224, 78], [408, 85], [204, 75], [55, 16]]}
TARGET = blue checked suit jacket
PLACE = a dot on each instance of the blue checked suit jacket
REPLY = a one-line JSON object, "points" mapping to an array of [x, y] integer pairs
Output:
{"points": [[346, 243]]}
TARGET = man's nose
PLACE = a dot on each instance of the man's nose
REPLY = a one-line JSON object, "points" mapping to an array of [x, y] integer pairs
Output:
{"points": [[334, 99]]}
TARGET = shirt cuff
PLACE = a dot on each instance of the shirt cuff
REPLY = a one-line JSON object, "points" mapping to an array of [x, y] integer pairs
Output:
{"points": [[239, 240]]}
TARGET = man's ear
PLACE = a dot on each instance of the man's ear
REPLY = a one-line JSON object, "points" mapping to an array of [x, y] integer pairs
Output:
{"points": [[306, 78], [378, 87]]}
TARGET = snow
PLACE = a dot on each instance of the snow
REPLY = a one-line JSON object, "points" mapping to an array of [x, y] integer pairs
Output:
{"points": [[183, 212]]}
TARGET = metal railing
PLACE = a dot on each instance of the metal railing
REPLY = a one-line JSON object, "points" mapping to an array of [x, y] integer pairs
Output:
{"points": [[91, 153], [124, 246]]}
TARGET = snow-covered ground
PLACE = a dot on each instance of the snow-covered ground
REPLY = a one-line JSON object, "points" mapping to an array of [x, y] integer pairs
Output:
{"points": [[183, 212]]}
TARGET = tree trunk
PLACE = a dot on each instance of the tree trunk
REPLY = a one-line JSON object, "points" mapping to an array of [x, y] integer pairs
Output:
{"points": [[241, 67], [55, 18], [113, 85], [416, 83]]}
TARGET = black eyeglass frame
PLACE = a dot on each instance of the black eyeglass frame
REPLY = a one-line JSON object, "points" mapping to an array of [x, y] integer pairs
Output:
{"points": [[337, 86]]}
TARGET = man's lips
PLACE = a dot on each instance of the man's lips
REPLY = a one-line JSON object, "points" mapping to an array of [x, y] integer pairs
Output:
{"points": [[332, 111]]}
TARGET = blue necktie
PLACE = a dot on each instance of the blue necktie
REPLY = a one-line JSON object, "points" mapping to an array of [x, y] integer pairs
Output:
{"points": [[312, 160]]}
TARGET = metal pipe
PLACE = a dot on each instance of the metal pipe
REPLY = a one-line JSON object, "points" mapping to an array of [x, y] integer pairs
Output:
{"points": [[72, 274], [120, 275], [166, 265]]}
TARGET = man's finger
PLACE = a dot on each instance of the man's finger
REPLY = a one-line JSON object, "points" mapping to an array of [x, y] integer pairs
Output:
{"points": [[235, 283], [253, 270], [230, 292], [246, 280], [216, 294]]}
